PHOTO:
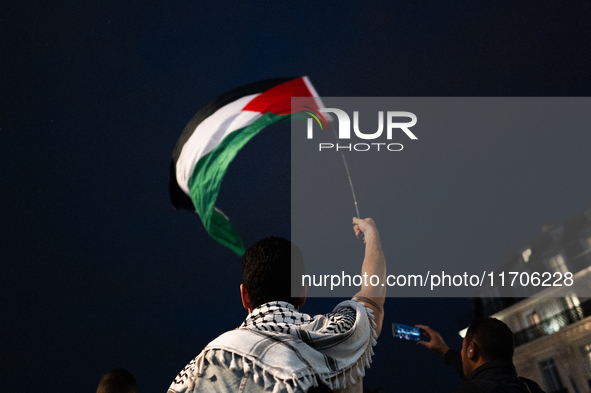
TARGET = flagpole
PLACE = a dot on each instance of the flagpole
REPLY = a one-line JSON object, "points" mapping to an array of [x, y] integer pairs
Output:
{"points": [[349, 177]]}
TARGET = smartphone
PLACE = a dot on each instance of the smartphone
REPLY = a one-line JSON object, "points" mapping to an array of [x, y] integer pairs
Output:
{"points": [[406, 332]]}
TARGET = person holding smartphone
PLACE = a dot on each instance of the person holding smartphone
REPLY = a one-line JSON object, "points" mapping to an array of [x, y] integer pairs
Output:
{"points": [[486, 359]]}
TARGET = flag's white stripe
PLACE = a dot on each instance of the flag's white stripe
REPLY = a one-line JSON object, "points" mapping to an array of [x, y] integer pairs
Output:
{"points": [[312, 90], [208, 135], [317, 98]]}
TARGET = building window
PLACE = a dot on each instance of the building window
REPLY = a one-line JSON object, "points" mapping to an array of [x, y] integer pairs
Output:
{"points": [[526, 254], [558, 264], [533, 318], [586, 352], [572, 301], [550, 375]]}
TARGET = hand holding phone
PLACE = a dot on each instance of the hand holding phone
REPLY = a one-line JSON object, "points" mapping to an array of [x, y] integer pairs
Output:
{"points": [[433, 340]]}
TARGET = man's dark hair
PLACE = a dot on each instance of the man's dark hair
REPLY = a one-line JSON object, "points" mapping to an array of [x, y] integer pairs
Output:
{"points": [[493, 337], [117, 381], [268, 267]]}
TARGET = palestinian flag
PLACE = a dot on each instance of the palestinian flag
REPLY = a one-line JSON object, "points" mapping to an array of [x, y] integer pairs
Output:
{"points": [[213, 137]]}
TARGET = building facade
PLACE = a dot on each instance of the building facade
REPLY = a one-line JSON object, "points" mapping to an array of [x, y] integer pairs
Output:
{"points": [[551, 315]]}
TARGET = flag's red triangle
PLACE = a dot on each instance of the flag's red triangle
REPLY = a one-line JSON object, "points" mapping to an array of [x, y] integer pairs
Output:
{"points": [[277, 100]]}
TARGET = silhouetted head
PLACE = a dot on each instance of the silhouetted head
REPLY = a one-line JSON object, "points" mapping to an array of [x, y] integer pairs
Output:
{"points": [[267, 270], [486, 339], [117, 381]]}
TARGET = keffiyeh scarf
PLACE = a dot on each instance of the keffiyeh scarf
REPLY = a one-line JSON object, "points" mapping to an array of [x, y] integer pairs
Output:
{"points": [[284, 349]]}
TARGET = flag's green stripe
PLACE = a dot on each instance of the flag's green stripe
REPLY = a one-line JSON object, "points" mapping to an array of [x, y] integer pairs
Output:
{"points": [[205, 182]]}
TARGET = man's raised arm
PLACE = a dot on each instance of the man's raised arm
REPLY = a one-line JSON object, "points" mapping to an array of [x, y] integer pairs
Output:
{"points": [[374, 264]]}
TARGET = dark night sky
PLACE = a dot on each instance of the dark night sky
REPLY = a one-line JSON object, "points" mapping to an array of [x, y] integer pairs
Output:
{"points": [[98, 271]]}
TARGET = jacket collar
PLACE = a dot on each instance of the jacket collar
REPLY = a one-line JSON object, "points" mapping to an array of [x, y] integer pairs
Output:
{"points": [[494, 368]]}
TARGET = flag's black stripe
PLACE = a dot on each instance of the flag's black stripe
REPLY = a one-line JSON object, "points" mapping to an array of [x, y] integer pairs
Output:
{"points": [[231, 96], [179, 199]]}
